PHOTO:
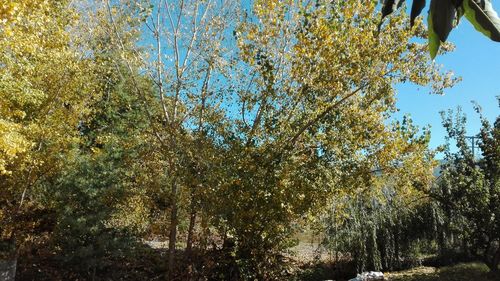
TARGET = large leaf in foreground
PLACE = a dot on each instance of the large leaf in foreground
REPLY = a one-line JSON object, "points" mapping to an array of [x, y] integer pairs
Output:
{"points": [[416, 9], [442, 16], [483, 17], [442, 13]]}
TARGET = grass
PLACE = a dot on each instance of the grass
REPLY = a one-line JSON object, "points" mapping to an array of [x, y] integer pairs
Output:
{"points": [[459, 272]]}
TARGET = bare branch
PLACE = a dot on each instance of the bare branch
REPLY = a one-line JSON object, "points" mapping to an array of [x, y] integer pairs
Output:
{"points": [[159, 66]]}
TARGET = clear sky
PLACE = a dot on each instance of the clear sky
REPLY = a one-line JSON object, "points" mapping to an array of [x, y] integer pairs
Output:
{"points": [[477, 60]]}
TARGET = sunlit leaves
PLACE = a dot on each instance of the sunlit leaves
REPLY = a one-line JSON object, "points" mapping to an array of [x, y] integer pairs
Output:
{"points": [[253, 132], [41, 76], [44, 86], [322, 89]]}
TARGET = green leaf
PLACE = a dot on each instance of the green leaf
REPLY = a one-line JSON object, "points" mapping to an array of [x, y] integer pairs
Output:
{"points": [[434, 41], [442, 13], [483, 17]]}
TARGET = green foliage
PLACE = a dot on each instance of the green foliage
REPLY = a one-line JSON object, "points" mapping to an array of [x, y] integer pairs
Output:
{"points": [[381, 224], [468, 189], [483, 18], [97, 198], [84, 198], [379, 233]]}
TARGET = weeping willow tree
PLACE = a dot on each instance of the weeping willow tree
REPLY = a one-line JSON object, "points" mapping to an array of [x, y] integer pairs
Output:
{"points": [[444, 15], [382, 223], [454, 218], [380, 233]]}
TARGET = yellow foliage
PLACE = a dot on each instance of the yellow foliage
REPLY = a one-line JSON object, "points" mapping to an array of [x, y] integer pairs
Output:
{"points": [[44, 87]]}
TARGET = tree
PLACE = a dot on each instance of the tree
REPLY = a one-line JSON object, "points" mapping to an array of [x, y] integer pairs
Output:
{"points": [[98, 200], [44, 88], [379, 222], [445, 14], [188, 63], [260, 114], [468, 189], [311, 113]]}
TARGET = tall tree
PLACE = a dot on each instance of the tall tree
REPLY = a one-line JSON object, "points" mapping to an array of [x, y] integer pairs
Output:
{"points": [[188, 61], [468, 190], [281, 100], [313, 94], [98, 200], [44, 87]]}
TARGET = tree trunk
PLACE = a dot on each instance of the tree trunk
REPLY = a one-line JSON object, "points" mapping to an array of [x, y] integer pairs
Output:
{"points": [[204, 233], [396, 250], [465, 249], [190, 237], [441, 243], [173, 233]]}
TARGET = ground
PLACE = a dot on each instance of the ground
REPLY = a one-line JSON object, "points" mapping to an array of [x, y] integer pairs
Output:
{"points": [[306, 263], [460, 272]]}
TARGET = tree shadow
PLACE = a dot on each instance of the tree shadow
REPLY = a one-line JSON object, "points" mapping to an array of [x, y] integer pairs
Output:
{"points": [[459, 272]]}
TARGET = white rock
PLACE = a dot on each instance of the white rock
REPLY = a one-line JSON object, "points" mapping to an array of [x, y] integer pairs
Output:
{"points": [[369, 276]]}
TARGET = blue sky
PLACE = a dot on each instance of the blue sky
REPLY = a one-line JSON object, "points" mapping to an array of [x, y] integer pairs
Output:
{"points": [[477, 60]]}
